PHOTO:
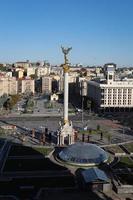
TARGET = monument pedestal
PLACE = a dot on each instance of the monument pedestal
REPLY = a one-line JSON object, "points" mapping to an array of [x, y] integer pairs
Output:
{"points": [[66, 131]]}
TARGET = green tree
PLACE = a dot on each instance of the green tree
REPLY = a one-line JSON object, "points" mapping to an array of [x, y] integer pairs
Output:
{"points": [[33, 76], [98, 127], [109, 138], [88, 104]]}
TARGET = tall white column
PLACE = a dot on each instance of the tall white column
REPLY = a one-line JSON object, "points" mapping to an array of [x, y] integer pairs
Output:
{"points": [[65, 97]]}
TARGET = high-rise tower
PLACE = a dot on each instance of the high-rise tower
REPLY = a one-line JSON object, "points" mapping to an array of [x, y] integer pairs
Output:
{"points": [[66, 129]]}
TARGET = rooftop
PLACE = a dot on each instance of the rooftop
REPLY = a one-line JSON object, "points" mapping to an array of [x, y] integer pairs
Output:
{"points": [[84, 154], [94, 174]]}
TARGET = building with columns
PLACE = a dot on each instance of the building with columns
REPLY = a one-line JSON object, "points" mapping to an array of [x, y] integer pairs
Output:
{"points": [[111, 94]]}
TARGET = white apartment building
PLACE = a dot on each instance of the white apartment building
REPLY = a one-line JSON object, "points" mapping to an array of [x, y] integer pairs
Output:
{"points": [[46, 84], [8, 74], [26, 86], [111, 94]]}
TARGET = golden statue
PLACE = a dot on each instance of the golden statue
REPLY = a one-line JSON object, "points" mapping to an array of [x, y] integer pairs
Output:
{"points": [[65, 52]]}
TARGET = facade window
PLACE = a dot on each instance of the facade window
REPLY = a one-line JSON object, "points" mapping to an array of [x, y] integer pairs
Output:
{"points": [[114, 90], [109, 102], [102, 101], [105, 90], [102, 90], [102, 96], [119, 90], [114, 102], [110, 77], [124, 90], [109, 90], [119, 102], [123, 102], [129, 91], [129, 102]]}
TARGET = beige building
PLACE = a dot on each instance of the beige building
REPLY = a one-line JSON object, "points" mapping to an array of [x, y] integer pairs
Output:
{"points": [[46, 84], [111, 94], [12, 86], [25, 65], [42, 71], [20, 73], [3, 86], [8, 86], [31, 71], [26, 86]]}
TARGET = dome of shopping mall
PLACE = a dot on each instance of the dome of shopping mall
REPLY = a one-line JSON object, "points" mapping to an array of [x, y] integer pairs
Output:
{"points": [[83, 154]]}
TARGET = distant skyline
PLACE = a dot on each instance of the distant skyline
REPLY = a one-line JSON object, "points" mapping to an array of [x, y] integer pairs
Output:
{"points": [[99, 31]]}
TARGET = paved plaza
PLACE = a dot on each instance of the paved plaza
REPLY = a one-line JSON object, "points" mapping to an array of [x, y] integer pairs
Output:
{"points": [[117, 132]]}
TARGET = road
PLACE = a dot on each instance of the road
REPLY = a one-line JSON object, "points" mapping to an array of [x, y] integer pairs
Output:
{"points": [[118, 132]]}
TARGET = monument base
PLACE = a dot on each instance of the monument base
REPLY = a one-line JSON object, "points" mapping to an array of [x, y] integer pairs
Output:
{"points": [[65, 131]]}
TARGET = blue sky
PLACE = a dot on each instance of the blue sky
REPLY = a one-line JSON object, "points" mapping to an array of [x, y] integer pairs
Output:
{"points": [[99, 31]]}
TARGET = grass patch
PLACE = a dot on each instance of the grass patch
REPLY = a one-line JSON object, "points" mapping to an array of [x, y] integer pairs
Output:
{"points": [[37, 164], [18, 150], [126, 178], [110, 159], [114, 149], [127, 161], [129, 147], [124, 162], [88, 132], [44, 151]]}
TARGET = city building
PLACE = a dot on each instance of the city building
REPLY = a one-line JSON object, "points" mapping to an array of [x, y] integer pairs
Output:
{"points": [[54, 97], [8, 74], [95, 179], [42, 71], [31, 71], [23, 64], [20, 73], [111, 94], [26, 86], [46, 84], [8, 85], [12, 86], [81, 86]]}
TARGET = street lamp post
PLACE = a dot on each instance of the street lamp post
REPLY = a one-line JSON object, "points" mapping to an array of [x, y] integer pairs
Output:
{"points": [[82, 112]]}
